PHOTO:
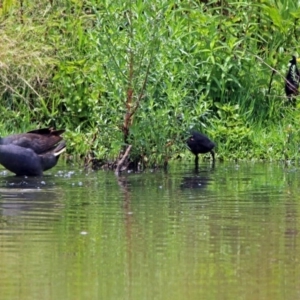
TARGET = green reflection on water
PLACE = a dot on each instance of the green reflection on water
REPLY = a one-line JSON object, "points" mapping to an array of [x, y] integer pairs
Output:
{"points": [[231, 232]]}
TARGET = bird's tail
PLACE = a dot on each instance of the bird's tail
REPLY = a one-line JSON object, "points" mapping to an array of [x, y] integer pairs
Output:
{"points": [[60, 148]]}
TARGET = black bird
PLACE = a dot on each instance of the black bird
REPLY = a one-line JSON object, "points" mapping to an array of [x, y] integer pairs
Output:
{"points": [[39, 140], [33, 152], [292, 79], [199, 143], [24, 161]]}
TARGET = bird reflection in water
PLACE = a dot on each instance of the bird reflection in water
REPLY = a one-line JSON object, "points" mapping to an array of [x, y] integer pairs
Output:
{"points": [[19, 195], [198, 179]]}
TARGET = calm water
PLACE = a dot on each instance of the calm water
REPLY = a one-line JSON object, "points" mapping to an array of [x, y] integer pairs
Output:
{"points": [[229, 232]]}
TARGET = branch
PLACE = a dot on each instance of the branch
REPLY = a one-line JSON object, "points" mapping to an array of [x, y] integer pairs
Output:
{"points": [[121, 161], [274, 70], [137, 104]]}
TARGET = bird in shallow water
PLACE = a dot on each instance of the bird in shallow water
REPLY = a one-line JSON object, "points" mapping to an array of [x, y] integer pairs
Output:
{"points": [[33, 152], [198, 143], [292, 79]]}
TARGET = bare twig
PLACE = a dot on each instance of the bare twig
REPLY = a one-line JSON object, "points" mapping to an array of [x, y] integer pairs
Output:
{"points": [[270, 83], [121, 161], [131, 109], [271, 68], [137, 104]]}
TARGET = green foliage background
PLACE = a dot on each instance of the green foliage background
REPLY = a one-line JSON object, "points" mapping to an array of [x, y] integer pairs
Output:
{"points": [[216, 66]]}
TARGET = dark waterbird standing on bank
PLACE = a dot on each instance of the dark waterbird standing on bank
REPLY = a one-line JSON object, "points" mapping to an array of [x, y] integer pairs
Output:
{"points": [[292, 79], [33, 152], [199, 143]]}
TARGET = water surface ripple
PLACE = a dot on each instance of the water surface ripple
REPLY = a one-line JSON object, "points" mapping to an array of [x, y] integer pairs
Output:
{"points": [[229, 231]]}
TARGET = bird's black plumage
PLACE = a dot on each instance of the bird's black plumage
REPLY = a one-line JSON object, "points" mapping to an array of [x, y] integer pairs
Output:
{"points": [[33, 152], [199, 143], [292, 78], [39, 140]]}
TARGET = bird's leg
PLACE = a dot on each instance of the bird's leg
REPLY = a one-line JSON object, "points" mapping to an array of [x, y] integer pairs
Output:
{"points": [[212, 152], [196, 161]]}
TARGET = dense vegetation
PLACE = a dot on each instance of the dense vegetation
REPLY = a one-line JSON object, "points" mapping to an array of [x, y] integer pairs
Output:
{"points": [[143, 73]]}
